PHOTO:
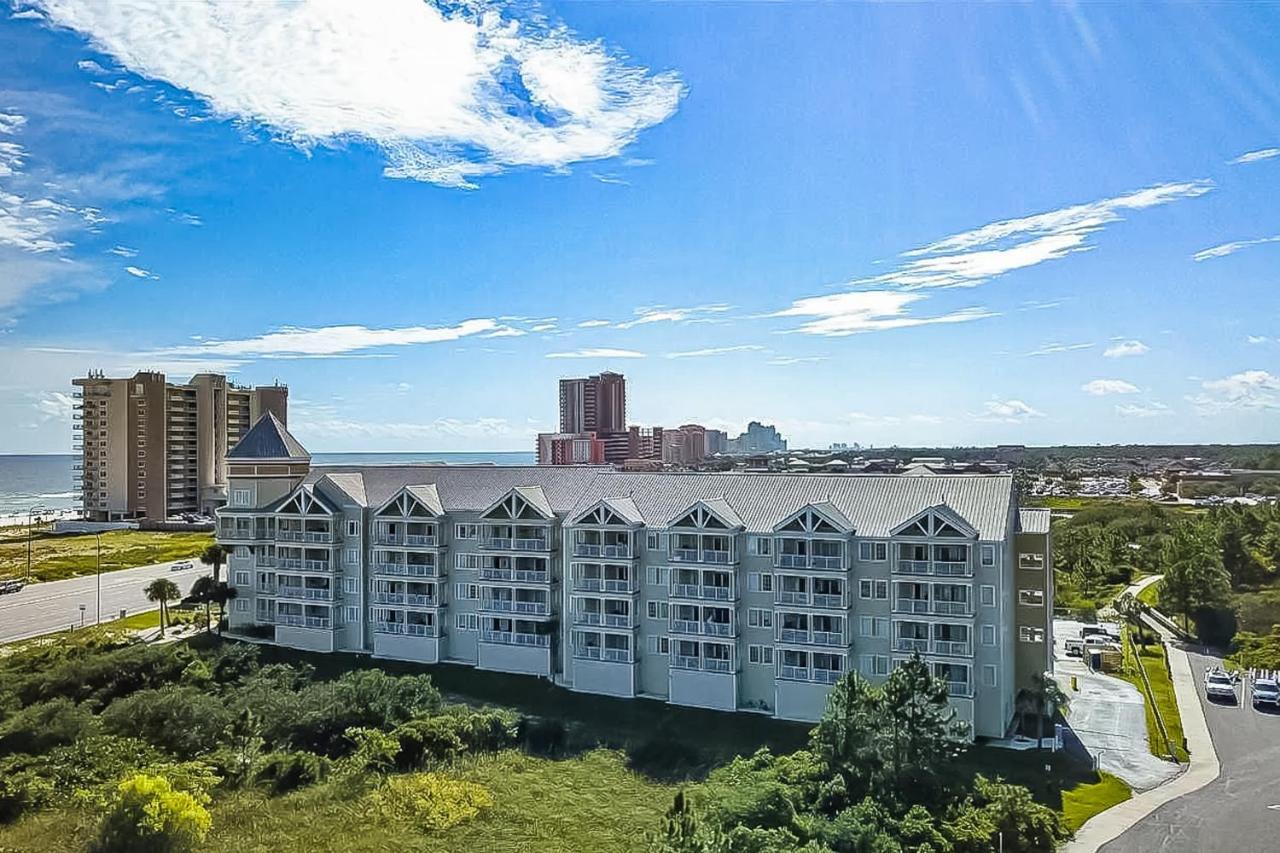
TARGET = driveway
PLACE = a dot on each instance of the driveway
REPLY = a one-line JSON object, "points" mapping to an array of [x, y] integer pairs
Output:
{"points": [[42, 608], [1108, 717]]}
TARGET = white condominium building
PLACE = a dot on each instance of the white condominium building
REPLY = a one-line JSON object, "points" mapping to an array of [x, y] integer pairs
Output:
{"points": [[737, 592]]}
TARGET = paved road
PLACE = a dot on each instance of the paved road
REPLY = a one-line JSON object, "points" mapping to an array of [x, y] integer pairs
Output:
{"points": [[55, 605], [1237, 813]]}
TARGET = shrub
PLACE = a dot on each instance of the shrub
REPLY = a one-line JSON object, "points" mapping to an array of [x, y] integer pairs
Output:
{"points": [[99, 677], [184, 721], [445, 737], [288, 771], [40, 727], [541, 735], [149, 816], [429, 801], [1007, 812], [22, 791], [234, 662]]}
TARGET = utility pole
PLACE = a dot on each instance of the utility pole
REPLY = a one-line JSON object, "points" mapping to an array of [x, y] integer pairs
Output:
{"points": [[97, 613]]}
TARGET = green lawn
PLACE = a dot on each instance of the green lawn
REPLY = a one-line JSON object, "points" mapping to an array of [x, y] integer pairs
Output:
{"points": [[1153, 661], [1086, 800], [57, 557], [1149, 595]]}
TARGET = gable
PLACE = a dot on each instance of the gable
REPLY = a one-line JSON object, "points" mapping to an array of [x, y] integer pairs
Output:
{"points": [[815, 518], [412, 502], [707, 515], [936, 522], [523, 503], [305, 501]]}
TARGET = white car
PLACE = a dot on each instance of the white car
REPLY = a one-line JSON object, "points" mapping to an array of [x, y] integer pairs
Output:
{"points": [[1266, 691], [182, 566], [1218, 685]]}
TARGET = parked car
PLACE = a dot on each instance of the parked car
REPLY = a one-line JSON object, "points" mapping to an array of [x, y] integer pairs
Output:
{"points": [[1266, 691], [1074, 648], [14, 585], [1218, 685], [182, 565]]}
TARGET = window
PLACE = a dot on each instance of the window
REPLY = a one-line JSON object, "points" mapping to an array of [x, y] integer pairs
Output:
{"points": [[759, 582], [988, 555], [466, 621], [877, 589], [875, 665], [873, 626], [353, 528], [988, 635], [468, 561], [762, 655], [351, 585], [242, 552], [987, 595], [651, 541], [353, 614], [466, 531], [1031, 597], [873, 552], [656, 575], [353, 556], [241, 497], [466, 591], [659, 645], [657, 609], [761, 546], [243, 579], [1027, 634], [242, 606], [989, 675], [758, 617]]}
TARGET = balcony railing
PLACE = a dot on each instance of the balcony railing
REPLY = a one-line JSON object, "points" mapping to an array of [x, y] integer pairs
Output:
{"points": [[388, 598], [951, 608], [414, 539], [304, 592], [717, 665], [952, 647], [959, 688], [823, 599], [713, 593], [684, 626], [685, 662], [793, 635], [950, 569], [417, 570], [507, 605], [406, 628], [317, 536], [515, 575], [914, 567], [826, 676], [287, 563], [791, 596], [828, 638], [911, 644], [288, 535], [604, 654], [585, 549], [317, 565], [530, 544], [304, 621], [911, 605], [497, 543], [509, 638]]}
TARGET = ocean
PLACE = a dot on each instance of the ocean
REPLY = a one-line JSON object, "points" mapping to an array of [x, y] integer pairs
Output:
{"points": [[45, 481]]}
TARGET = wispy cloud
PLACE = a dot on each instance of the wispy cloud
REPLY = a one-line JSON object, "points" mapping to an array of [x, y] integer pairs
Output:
{"points": [[1150, 409], [1231, 248], [664, 314], [1256, 156], [123, 251], [593, 324], [1055, 347], [597, 352], [606, 178], [55, 406], [1104, 387], [702, 353], [1126, 349], [1007, 411], [788, 360], [1258, 339], [1249, 389], [894, 420], [139, 272], [855, 312], [446, 91], [293, 341]]}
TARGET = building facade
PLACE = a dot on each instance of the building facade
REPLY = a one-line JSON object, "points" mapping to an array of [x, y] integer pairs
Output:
{"points": [[581, 448], [759, 438], [728, 591], [149, 448]]}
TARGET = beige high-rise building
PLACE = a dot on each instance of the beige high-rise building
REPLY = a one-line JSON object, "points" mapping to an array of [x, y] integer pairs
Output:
{"points": [[152, 449]]}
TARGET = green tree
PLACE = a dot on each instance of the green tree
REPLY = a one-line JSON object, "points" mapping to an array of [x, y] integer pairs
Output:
{"points": [[222, 594], [1043, 698], [203, 591], [162, 590], [1193, 574], [215, 555], [1135, 485], [149, 816], [683, 832], [845, 739]]}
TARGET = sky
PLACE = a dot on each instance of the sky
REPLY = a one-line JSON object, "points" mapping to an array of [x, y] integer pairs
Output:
{"points": [[886, 224]]}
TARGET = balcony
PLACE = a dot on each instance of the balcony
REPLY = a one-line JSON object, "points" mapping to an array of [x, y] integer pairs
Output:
{"points": [[914, 567], [304, 593], [791, 596], [828, 600], [959, 688], [826, 676], [319, 536], [507, 605], [614, 551], [949, 569], [581, 584], [317, 566], [828, 638], [604, 654], [405, 628], [505, 543], [289, 535], [951, 608], [304, 621], [911, 605], [509, 638], [793, 635], [958, 648], [608, 620], [414, 570], [515, 575], [409, 540], [911, 644]]}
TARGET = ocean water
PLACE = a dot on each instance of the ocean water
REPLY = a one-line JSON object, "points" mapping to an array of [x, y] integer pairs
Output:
{"points": [[45, 481]]}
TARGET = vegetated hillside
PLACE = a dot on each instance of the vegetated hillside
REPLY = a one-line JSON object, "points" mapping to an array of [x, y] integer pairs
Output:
{"points": [[56, 557]]}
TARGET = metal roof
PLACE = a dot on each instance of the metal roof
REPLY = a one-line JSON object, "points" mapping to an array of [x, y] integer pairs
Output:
{"points": [[1033, 520], [873, 504], [268, 439]]}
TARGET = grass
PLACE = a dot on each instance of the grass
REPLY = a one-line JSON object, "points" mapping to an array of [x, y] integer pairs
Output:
{"points": [[1153, 660], [1150, 594], [56, 557], [1086, 800]]}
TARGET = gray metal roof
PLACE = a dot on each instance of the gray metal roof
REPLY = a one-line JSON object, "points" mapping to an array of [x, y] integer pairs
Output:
{"points": [[1033, 520], [873, 504], [268, 439]]}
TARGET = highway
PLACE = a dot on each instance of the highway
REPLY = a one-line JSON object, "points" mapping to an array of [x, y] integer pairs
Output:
{"points": [[1237, 813], [41, 608]]}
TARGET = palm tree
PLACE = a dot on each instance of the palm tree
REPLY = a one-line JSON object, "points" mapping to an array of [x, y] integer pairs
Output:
{"points": [[162, 590], [214, 556], [222, 593], [204, 591], [1048, 699]]}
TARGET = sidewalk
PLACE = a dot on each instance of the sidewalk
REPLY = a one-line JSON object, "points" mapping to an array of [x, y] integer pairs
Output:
{"points": [[1203, 767]]}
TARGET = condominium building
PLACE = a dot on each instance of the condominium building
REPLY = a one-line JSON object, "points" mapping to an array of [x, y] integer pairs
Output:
{"points": [[737, 592], [149, 448], [594, 404]]}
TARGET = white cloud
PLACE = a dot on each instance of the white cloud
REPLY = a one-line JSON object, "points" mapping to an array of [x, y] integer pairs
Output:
{"points": [[592, 324], [606, 178], [446, 94], [1125, 349], [894, 420], [598, 352], [1256, 156], [1103, 387], [702, 353], [1231, 248], [11, 123], [1055, 347], [329, 427], [26, 15], [1249, 389], [854, 312], [1007, 411], [1151, 409], [123, 251], [1257, 339], [663, 314], [139, 272], [292, 341], [55, 406], [788, 360], [91, 67]]}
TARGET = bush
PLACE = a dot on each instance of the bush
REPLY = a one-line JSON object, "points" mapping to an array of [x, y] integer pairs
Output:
{"points": [[445, 737], [234, 662], [149, 816], [184, 721], [40, 727], [99, 677], [431, 802], [999, 811], [541, 735], [21, 792], [287, 771]]}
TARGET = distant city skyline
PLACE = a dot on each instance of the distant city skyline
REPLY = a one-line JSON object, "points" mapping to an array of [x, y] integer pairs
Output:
{"points": [[881, 224]]}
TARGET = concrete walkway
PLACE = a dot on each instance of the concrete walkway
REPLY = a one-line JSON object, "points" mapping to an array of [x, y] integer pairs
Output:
{"points": [[1203, 769]]}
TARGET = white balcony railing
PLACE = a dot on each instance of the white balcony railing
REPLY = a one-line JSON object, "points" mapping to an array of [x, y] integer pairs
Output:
{"points": [[958, 688], [951, 608], [952, 647], [717, 665], [522, 575], [304, 593], [787, 596], [828, 638], [914, 567], [510, 638], [949, 569], [911, 605], [826, 676], [793, 561], [530, 544], [317, 565], [793, 635], [413, 539], [684, 626], [317, 536], [304, 621], [911, 644], [821, 599], [417, 570], [507, 605], [289, 535], [685, 662]]}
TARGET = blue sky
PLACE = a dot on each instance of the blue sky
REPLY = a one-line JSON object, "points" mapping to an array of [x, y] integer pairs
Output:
{"points": [[890, 224]]}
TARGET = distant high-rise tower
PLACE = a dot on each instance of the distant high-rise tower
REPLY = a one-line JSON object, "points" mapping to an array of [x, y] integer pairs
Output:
{"points": [[594, 404]]}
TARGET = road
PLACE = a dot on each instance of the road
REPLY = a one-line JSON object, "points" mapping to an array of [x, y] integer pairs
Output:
{"points": [[55, 605], [1237, 813]]}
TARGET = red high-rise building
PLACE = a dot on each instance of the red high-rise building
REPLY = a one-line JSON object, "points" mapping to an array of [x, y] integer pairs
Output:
{"points": [[594, 404]]}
